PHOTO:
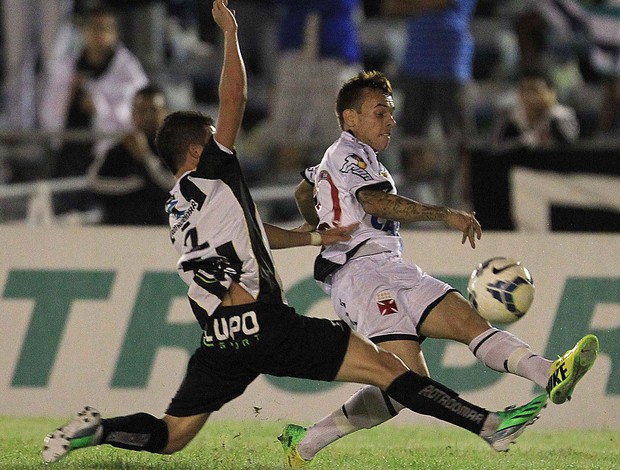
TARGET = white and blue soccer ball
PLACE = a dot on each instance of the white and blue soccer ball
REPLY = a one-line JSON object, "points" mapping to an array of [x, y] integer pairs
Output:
{"points": [[501, 290]]}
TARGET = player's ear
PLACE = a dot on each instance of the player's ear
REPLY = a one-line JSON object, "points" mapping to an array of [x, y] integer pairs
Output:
{"points": [[194, 151], [349, 117]]}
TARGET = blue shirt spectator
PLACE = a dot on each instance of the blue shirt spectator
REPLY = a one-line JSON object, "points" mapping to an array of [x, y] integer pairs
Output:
{"points": [[338, 34], [440, 44]]}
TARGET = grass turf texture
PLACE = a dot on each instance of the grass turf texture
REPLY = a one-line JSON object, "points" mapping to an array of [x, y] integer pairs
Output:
{"points": [[252, 445]]}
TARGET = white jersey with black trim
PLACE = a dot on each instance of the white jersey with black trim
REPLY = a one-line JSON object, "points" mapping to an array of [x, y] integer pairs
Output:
{"points": [[218, 233], [349, 165]]}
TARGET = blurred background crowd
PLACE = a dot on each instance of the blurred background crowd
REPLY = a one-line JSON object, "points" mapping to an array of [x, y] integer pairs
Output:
{"points": [[86, 82]]}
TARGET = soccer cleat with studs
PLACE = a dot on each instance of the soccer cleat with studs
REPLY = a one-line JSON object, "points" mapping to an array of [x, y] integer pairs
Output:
{"points": [[291, 436], [513, 421], [81, 431], [569, 368]]}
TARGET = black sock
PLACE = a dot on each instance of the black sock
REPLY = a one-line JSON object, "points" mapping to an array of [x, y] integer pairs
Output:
{"points": [[425, 396], [136, 432]]}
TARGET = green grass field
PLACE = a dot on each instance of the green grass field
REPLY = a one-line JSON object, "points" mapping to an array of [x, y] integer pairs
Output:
{"points": [[252, 445]]}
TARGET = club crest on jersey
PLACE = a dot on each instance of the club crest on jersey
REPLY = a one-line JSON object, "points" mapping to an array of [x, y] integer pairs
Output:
{"points": [[386, 303], [357, 166]]}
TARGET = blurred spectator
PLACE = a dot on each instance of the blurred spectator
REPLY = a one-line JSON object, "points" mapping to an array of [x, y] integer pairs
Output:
{"points": [[319, 47], [131, 183], [435, 70], [257, 37], [592, 28], [537, 120], [143, 27], [90, 87], [30, 29]]}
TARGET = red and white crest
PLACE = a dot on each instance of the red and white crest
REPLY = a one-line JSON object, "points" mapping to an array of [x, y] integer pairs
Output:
{"points": [[386, 303]]}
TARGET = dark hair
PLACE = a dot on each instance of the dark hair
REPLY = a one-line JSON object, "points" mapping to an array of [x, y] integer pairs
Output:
{"points": [[149, 91], [101, 9], [351, 94], [537, 73], [177, 132]]}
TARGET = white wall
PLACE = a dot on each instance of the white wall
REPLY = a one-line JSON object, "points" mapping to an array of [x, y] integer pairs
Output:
{"points": [[74, 345]]}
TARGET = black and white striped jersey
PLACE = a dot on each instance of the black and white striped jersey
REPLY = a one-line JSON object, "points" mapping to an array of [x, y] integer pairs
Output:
{"points": [[216, 229]]}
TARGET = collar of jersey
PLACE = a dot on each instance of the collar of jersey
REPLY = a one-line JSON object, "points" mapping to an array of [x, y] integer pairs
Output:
{"points": [[347, 135]]}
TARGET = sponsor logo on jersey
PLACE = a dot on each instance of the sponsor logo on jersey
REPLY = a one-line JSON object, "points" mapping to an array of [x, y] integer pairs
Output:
{"points": [[386, 303], [183, 216], [357, 166], [171, 204]]}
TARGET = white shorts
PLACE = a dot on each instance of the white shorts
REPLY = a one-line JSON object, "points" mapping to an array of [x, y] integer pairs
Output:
{"points": [[385, 297]]}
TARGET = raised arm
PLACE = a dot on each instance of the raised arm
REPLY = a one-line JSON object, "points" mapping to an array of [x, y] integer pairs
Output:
{"points": [[402, 209], [233, 81]]}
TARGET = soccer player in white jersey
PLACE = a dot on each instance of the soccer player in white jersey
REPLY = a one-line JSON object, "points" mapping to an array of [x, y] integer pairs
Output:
{"points": [[237, 298], [379, 294]]}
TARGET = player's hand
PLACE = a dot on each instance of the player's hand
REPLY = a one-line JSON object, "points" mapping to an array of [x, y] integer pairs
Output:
{"points": [[337, 234], [467, 224], [224, 17]]}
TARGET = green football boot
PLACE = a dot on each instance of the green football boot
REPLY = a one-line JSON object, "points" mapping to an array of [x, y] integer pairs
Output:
{"points": [[568, 369], [291, 436], [513, 421]]}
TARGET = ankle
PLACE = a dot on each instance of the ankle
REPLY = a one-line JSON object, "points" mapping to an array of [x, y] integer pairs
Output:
{"points": [[490, 425]]}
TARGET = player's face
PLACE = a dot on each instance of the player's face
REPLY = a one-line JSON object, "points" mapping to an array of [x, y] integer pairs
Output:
{"points": [[374, 123], [101, 33]]}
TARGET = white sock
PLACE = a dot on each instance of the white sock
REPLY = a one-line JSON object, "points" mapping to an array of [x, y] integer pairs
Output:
{"points": [[365, 409], [504, 352]]}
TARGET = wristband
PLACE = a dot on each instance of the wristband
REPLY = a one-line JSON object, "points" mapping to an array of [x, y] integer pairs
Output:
{"points": [[316, 239]]}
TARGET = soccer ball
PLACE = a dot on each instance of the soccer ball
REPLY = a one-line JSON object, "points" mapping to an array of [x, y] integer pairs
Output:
{"points": [[501, 290]]}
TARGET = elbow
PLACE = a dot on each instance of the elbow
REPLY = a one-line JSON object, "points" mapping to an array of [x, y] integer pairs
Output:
{"points": [[242, 94]]}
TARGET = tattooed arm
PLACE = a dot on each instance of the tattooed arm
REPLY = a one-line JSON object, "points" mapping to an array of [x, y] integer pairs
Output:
{"points": [[402, 209]]}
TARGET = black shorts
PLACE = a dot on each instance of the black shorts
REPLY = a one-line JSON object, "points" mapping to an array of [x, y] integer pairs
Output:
{"points": [[240, 343]]}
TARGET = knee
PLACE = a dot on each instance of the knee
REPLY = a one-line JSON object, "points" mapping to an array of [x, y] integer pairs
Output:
{"points": [[181, 431], [465, 323], [174, 445], [469, 325]]}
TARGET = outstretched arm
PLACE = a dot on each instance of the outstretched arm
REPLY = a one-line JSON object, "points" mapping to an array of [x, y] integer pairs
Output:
{"points": [[233, 81], [402, 209], [283, 238]]}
